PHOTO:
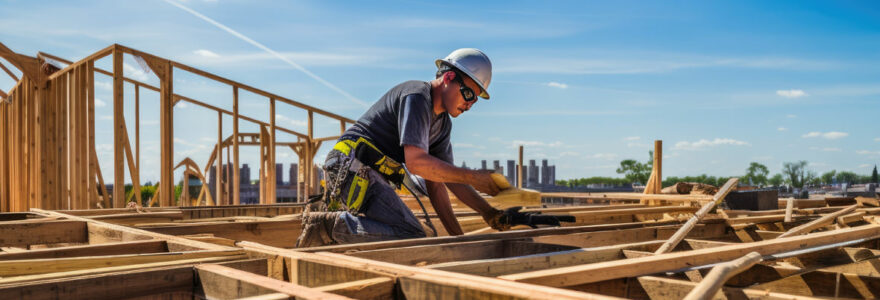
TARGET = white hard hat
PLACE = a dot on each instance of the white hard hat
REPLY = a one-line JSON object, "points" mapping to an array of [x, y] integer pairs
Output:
{"points": [[474, 64]]}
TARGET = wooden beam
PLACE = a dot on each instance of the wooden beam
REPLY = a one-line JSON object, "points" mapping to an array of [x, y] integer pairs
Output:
{"points": [[136, 247], [519, 264], [166, 135], [710, 284], [575, 275], [8, 72], [420, 283], [221, 282], [112, 232], [236, 176], [660, 288], [121, 282], [10, 268], [630, 196], [681, 233], [118, 127], [824, 220], [14, 234]]}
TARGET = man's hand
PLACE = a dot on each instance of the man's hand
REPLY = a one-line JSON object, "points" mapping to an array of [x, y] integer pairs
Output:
{"points": [[484, 182], [494, 219]]}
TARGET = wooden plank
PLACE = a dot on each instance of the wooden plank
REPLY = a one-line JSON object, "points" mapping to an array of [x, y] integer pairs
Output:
{"points": [[50, 265], [710, 285], [236, 176], [137, 247], [49, 232], [681, 233], [276, 233], [103, 231], [824, 220], [122, 282], [420, 283], [575, 275], [373, 288], [221, 282], [166, 136], [659, 288], [512, 265], [630, 196], [118, 127]]}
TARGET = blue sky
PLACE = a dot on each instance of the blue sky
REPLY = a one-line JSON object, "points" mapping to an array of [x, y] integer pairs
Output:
{"points": [[584, 84]]}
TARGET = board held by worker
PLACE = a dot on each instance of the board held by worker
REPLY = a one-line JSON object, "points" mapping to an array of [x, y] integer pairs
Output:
{"points": [[408, 126]]}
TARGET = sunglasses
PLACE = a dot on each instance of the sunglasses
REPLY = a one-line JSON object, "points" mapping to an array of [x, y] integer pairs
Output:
{"points": [[466, 92]]}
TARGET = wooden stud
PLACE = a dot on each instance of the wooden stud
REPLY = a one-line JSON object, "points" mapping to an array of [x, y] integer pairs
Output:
{"points": [[824, 220], [118, 113], [236, 176]]}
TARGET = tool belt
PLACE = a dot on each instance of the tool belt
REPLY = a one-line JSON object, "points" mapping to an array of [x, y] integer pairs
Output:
{"points": [[362, 153], [369, 155]]}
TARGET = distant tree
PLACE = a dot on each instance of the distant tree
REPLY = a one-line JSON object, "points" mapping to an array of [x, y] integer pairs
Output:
{"points": [[796, 173], [828, 177], [776, 180], [756, 174], [874, 178], [847, 177], [635, 171]]}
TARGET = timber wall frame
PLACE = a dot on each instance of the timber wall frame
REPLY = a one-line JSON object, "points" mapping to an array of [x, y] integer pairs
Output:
{"points": [[47, 142], [80, 254]]}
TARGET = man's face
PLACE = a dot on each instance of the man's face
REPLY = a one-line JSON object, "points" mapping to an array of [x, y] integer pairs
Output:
{"points": [[454, 102]]}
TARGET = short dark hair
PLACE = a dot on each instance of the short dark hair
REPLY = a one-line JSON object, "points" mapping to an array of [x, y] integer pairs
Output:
{"points": [[444, 67]]}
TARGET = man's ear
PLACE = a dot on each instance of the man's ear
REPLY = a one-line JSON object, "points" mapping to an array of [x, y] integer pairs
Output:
{"points": [[449, 76]]}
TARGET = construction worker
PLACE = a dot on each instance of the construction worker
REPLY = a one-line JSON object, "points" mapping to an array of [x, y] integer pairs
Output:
{"points": [[410, 124]]}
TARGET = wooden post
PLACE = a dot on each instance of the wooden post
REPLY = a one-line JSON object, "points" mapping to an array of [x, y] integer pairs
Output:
{"points": [[218, 186], [118, 154], [687, 227], [137, 128], [236, 180], [716, 278], [826, 219], [271, 199], [789, 206], [166, 136], [310, 156], [519, 169], [93, 164]]}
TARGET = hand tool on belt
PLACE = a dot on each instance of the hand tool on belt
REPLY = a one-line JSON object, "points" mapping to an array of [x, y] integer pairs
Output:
{"points": [[365, 153]]}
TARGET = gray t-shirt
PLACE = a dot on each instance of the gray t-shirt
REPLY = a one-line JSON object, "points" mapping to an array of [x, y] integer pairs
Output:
{"points": [[405, 116]]}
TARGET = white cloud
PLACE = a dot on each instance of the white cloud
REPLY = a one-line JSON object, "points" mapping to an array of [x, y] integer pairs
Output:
{"points": [[866, 152], [100, 103], [104, 85], [206, 53], [826, 149], [463, 145], [703, 143], [557, 85], [790, 116], [831, 135], [632, 138], [877, 139], [781, 128], [605, 156], [106, 117], [518, 143], [136, 73], [792, 93]]}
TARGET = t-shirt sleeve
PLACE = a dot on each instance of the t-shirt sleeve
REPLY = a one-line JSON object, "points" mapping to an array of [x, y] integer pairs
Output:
{"points": [[442, 150], [414, 121]]}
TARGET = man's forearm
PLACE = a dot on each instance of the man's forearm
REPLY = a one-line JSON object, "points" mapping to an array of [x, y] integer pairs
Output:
{"points": [[467, 195], [440, 201]]}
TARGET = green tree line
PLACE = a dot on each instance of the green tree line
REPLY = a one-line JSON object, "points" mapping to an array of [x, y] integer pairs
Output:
{"points": [[796, 174]]}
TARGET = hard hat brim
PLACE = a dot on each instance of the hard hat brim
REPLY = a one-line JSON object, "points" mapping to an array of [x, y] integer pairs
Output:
{"points": [[483, 93]]}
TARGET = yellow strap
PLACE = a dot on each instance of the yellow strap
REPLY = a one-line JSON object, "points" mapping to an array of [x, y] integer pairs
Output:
{"points": [[361, 184]]}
